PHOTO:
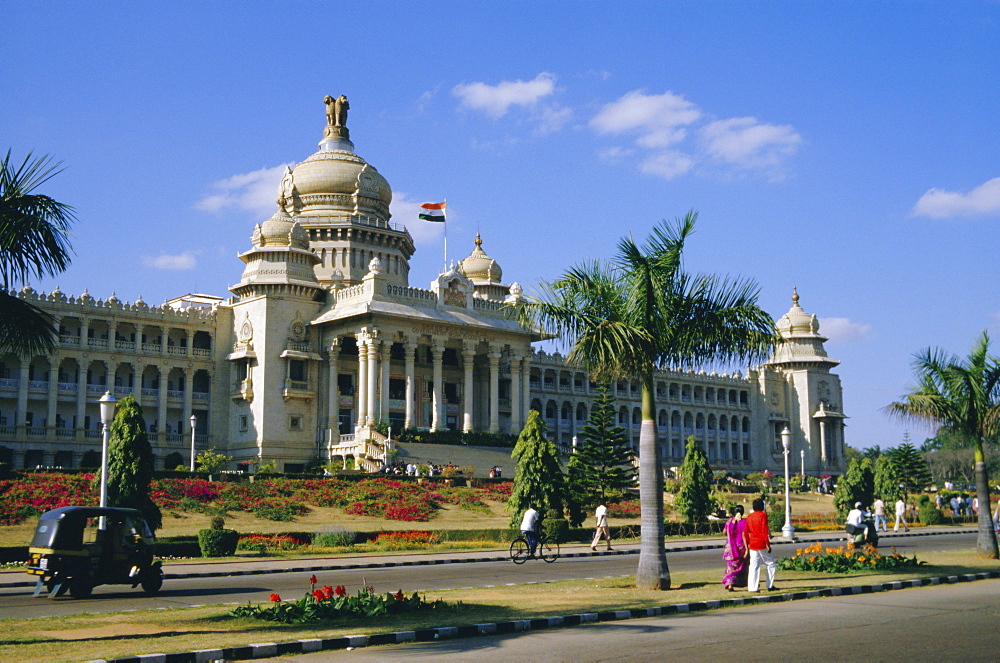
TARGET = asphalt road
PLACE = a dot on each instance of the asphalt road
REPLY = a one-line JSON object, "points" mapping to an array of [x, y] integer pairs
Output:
{"points": [[942, 623], [176, 593]]}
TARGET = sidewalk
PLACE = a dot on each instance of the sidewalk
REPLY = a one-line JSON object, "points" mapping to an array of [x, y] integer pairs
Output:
{"points": [[264, 565]]}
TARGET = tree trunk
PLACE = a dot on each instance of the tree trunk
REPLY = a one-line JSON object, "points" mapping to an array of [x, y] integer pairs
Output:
{"points": [[986, 539], [653, 572]]}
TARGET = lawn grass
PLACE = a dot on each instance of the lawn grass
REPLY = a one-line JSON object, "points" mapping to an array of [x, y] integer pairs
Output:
{"points": [[86, 636]]}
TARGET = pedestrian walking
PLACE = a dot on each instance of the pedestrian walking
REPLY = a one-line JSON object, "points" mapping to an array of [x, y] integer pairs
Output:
{"points": [[758, 542], [900, 516], [879, 508], [601, 514]]}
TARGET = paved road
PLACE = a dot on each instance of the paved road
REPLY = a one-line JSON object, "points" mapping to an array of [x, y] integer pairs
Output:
{"points": [[176, 593], [942, 623]]}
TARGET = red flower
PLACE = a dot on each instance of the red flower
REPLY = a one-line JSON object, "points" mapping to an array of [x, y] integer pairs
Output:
{"points": [[312, 579], [327, 591], [341, 590], [398, 595], [275, 598], [319, 595]]}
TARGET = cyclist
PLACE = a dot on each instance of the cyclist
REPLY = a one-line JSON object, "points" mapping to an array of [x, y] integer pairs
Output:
{"points": [[529, 528]]}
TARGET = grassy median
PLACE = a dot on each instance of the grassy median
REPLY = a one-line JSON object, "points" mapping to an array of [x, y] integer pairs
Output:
{"points": [[88, 636]]}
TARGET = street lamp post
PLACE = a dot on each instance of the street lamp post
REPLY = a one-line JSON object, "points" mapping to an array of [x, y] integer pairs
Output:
{"points": [[194, 424], [787, 530], [802, 455], [107, 404]]}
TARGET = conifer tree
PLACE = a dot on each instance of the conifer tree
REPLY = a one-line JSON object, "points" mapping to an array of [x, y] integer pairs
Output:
{"points": [[130, 462], [539, 480], [912, 468], [694, 499], [601, 463]]}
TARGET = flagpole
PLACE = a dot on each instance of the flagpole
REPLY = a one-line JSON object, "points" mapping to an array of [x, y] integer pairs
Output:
{"points": [[445, 239]]}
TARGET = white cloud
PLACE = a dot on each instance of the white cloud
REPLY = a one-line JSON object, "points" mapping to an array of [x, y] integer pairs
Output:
{"points": [[659, 119], [496, 100], [940, 204], [181, 262], [404, 212], [748, 143], [551, 118], [842, 330], [667, 164], [255, 191]]}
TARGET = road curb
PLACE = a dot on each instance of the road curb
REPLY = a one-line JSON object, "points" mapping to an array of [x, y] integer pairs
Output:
{"points": [[469, 560], [271, 649]]}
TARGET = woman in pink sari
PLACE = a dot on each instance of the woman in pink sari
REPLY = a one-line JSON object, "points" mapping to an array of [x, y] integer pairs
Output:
{"points": [[735, 553]]}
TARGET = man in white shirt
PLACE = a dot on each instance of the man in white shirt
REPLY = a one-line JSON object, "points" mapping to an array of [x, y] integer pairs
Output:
{"points": [[529, 528], [900, 516], [856, 522], [602, 527], [879, 508]]}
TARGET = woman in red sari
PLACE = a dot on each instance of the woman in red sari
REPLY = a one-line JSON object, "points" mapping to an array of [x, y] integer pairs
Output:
{"points": [[735, 553]]}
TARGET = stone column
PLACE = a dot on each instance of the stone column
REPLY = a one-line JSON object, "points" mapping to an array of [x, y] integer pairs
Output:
{"points": [[411, 348], [52, 395], [494, 358], [525, 390], [190, 343], [515, 393], [161, 414], [361, 389], [22, 393], [372, 380], [84, 331], [81, 399], [383, 382], [437, 359], [188, 400], [822, 440], [333, 390], [468, 360]]}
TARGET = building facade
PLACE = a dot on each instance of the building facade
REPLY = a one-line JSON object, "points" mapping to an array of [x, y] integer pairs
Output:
{"points": [[324, 336]]}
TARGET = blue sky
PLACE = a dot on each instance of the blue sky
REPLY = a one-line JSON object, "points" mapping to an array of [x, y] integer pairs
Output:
{"points": [[849, 149]]}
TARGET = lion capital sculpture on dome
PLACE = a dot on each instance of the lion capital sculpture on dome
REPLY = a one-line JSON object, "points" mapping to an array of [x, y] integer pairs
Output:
{"points": [[336, 111]]}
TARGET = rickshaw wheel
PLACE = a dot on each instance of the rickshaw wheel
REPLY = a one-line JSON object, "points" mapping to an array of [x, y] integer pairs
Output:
{"points": [[80, 589], [152, 581]]}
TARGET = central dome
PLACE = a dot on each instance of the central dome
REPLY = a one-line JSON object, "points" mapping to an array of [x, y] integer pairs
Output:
{"points": [[340, 181]]}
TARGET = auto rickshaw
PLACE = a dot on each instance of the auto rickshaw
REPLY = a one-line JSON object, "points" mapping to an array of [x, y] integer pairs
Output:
{"points": [[77, 548]]}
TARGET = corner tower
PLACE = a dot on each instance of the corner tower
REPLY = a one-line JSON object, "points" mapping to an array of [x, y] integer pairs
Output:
{"points": [[804, 395]]}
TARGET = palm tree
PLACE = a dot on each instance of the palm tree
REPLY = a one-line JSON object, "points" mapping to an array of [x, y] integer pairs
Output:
{"points": [[640, 313], [963, 397], [33, 241]]}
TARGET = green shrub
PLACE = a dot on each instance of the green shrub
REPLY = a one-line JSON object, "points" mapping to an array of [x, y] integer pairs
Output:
{"points": [[556, 530], [930, 515], [218, 522], [335, 538], [218, 542]]}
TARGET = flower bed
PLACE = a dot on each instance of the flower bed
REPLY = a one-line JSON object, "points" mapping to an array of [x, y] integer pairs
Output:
{"points": [[34, 494], [624, 509], [329, 603], [269, 543], [846, 559]]}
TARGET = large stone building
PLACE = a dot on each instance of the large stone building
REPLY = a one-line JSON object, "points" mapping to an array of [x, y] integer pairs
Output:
{"points": [[324, 336]]}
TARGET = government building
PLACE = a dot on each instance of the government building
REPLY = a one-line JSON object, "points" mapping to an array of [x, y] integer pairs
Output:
{"points": [[323, 336]]}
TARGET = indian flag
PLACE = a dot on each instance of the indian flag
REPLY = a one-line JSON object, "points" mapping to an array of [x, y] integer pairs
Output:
{"points": [[433, 211]]}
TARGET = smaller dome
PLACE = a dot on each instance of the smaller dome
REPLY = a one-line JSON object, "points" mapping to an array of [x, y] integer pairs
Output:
{"points": [[280, 230], [479, 267], [797, 321]]}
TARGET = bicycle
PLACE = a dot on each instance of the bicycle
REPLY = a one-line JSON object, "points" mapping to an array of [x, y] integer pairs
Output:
{"points": [[547, 550]]}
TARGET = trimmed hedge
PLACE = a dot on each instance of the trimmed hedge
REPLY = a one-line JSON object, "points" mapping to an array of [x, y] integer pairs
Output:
{"points": [[218, 542]]}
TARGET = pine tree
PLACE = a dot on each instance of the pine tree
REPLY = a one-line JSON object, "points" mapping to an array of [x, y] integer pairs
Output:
{"points": [[130, 462], [887, 480], [912, 468], [857, 485], [694, 498], [539, 481], [601, 463]]}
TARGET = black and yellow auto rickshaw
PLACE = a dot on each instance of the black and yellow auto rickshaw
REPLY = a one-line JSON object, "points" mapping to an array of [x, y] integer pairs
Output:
{"points": [[77, 548]]}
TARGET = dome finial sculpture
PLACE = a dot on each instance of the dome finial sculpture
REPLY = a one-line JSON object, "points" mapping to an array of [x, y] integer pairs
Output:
{"points": [[336, 117]]}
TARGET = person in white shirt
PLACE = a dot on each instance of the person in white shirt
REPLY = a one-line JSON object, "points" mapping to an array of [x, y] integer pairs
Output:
{"points": [[900, 516], [855, 521], [602, 527], [879, 508], [529, 528]]}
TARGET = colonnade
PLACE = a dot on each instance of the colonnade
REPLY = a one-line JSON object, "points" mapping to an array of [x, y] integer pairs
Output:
{"points": [[374, 369]]}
